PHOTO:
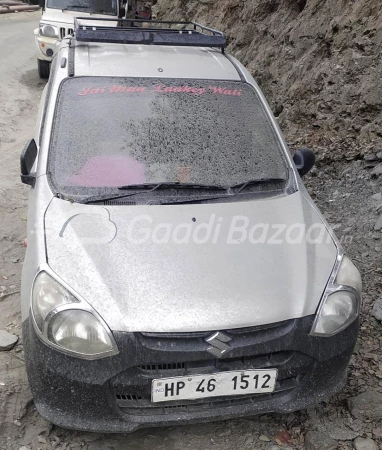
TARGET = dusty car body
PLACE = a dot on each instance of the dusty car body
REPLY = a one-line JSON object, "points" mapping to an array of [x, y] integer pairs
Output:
{"points": [[177, 270]]}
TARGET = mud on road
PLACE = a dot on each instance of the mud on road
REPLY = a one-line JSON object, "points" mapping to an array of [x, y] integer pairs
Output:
{"points": [[344, 192]]}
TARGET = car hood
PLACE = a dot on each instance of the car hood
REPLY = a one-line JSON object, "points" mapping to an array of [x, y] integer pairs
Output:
{"points": [[57, 16], [185, 268]]}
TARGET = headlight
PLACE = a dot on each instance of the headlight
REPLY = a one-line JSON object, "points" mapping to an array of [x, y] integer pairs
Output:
{"points": [[48, 295], [338, 311], [80, 332], [341, 303], [67, 323], [48, 31]]}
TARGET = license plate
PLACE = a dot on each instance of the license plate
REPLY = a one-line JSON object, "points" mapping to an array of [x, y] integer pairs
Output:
{"points": [[214, 385]]}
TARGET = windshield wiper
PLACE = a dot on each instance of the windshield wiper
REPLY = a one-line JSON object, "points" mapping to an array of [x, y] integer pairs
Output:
{"points": [[196, 200], [68, 8], [151, 187], [230, 193], [244, 184], [172, 185], [106, 198], [148, 187]]}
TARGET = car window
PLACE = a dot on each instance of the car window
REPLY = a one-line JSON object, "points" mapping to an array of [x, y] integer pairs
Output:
{"points": [[95, 6], [111, 132]]}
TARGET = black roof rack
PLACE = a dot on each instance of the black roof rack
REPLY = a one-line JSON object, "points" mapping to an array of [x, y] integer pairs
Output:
{"points": [[147, 32]]}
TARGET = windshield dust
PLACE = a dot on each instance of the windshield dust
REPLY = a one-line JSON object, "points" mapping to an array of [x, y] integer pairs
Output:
{"points": [[109, 133]]}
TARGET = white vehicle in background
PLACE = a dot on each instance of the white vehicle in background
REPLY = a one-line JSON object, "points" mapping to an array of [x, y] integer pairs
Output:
{"points": [[58, 18]]}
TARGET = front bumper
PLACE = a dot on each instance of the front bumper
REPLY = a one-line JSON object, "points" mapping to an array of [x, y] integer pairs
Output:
{"points": [[43, 44], [113, 394]]}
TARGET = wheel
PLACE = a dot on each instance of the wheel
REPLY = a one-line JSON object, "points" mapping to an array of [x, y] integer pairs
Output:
{"points": [[43, 68]]}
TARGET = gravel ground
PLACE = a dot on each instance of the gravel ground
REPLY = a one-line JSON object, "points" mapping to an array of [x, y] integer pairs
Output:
{"points": [[343, 191]]}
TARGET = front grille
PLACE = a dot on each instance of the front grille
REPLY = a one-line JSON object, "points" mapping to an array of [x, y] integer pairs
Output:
{"points": [[128, 397], [162, 367], [220, 365], [121, 201], [65, 32]]}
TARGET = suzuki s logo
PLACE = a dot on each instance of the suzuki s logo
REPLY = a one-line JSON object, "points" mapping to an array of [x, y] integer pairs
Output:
{"points": [[219, 344]]}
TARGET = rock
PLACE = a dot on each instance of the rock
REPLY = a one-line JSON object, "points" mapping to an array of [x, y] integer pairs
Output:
{"points": [[7, 340], [368, 404], [59, 431], [356, 424], [41, 439], [377, 170], [342, 434], [75, 445], [55, 442], [379, 155], [364, 444], [370, 157], [264, 438], [377, 310], [316, 440], [370, 164], [377, 197], [378, 225]]}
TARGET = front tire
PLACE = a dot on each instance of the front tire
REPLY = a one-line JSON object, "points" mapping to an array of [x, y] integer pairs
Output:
{"points": [[43, 68]]}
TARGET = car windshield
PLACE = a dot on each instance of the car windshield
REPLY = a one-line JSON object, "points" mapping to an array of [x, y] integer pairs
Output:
{"points": [[114, 132], [94, 6]]}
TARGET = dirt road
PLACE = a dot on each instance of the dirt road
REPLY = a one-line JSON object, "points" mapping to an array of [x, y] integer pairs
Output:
{"points": [[20, 89], [343, 191]]}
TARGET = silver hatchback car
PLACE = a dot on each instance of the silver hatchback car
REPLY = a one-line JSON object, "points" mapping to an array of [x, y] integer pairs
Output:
{"points": [[176, 269]]}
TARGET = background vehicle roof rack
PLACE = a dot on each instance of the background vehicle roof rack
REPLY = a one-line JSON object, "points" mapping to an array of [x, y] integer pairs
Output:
{"points": [[147, 32]]}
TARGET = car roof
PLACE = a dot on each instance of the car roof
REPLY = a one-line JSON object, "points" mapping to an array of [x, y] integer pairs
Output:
{"points": [[131, 60]]}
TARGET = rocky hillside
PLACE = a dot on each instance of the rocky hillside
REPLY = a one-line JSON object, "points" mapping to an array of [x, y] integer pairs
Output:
{"points": [[318, 62]]}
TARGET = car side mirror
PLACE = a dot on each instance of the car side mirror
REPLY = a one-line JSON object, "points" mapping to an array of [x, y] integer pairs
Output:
{"points": [[27, 159], [304, 159]]}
